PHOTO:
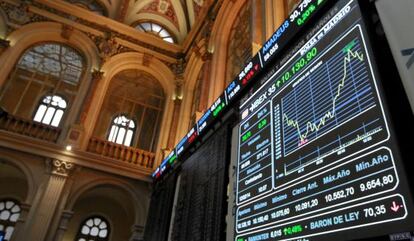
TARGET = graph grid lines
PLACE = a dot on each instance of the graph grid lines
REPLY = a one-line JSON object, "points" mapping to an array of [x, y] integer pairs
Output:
{"points": [[327, 98]]}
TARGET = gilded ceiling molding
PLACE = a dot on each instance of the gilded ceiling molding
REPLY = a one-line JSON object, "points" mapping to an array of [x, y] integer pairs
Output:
{"points": [[20, 14], [104, 29]]}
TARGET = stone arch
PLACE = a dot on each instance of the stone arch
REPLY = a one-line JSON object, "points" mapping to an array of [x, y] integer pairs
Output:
{"points": [[219, 47], [25, 171], [140, 207], [122, 204], [147, 64]]}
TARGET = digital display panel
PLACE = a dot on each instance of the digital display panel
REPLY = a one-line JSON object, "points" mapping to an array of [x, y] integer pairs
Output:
{"points": [[305, 11], [316, 157], [212, 113]]}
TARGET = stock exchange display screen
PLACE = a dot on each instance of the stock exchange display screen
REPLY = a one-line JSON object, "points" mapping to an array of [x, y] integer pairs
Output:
{"points": [[316, 156]]}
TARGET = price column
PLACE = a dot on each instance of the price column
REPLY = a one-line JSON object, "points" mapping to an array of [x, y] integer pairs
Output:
{"points": [[255, 155]]}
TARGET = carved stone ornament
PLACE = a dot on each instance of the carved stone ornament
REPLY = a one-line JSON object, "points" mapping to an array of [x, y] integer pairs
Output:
{"points": [[62, 168], [21, 15], [107, 47], [97, 75], [67, 31]]}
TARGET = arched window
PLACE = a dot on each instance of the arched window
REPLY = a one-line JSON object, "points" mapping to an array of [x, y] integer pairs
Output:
{"points": [[94, 229], [91, 5], [155, 29], [9, 213], [51, 110], [122, 130], [44, 68], [55, 60]]}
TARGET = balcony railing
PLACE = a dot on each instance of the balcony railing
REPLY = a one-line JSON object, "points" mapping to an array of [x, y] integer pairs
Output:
{"points": [[120, 152], [30, 128]]}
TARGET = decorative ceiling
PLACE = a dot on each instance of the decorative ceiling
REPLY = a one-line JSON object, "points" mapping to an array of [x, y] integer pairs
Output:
{"points": [[176, 16]]}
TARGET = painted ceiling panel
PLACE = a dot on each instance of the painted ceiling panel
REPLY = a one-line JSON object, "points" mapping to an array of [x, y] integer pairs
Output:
{"points": [[177, 16]]}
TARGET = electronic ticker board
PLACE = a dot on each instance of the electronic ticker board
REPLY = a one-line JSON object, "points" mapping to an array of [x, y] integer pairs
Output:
{"points": [[305, 11], [317, 158]]}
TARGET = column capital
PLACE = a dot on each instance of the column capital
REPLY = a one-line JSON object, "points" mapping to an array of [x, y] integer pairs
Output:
{"points": [[62, 168], [97, 75]]}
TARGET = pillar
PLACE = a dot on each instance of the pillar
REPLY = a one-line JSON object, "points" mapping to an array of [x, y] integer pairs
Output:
{"points": [[275, 14], [257, 23], [77, 131], [41, 215], [176, 113], [202, 106], [63, 225], [137, 233]]}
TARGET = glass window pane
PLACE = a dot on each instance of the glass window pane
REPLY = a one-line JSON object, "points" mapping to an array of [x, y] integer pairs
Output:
{"points": [[94, 231], [156, 28], [90, 223], [128, 138], [40, 113], [118, 120], [170, 40], [103, 233], [112, 133], [146, 26], [2, 205], [97, 221], [164, 33], [5, 215], [120, 137], [62, 104], [131, 124], [15, 209], [9, 232], [103, 225], [49, 115], [57, 118], [47, 99], [85, 230], [9, 204], [14, 217]]}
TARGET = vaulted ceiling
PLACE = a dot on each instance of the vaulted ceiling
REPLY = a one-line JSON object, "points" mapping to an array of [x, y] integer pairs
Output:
{"points": [[176, 16]]}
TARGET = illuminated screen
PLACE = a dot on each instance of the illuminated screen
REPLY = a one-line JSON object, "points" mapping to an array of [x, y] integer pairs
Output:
{"points": [[316, 156]]}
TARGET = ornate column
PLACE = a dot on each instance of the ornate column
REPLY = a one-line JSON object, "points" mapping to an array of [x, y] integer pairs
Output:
{"points": [[41, 217], [257, 23], [206, 82], [176, 112], [76, 132], [63, 225], [137, 233], [275, 14]]}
